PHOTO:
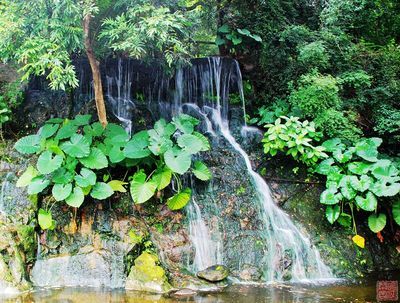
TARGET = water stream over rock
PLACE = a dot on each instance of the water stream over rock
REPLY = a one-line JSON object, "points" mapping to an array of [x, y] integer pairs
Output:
{"points": [[284, 252]]}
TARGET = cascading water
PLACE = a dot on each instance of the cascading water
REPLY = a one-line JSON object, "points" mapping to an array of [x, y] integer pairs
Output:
{"points": [[273, 242]]}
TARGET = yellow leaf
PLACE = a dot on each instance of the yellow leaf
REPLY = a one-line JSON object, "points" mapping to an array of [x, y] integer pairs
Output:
{"points": [[118, 185], [360, 241]]}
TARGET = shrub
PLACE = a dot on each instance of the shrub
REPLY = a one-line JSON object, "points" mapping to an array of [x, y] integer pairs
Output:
{"points": [[294, 138], [334, 123], [75, 157], [314, 55], [316, 93], [358, 178]]}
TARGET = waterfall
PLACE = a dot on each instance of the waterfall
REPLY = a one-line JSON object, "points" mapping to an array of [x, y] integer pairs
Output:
{"points": [[204, 89]]}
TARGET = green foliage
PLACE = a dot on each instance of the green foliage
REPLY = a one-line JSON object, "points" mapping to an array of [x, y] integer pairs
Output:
{"points": [[10, 98], [145, 28], [314, 54], [358, 178], [235, 39], [315, 94], [74, 154], [295, 139]]}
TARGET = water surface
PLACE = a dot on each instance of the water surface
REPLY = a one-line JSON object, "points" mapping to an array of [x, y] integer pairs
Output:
{"points": [[237, 294]]}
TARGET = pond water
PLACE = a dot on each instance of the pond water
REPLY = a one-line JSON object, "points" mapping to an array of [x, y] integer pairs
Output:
{"points": [[238, 293]]}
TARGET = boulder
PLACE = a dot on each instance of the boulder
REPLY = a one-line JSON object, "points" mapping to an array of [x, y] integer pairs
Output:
{"points": [[215, 273], [147, 276]]}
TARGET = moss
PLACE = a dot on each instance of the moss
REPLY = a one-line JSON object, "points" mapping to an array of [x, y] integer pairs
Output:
{"points": [[147, 275]]}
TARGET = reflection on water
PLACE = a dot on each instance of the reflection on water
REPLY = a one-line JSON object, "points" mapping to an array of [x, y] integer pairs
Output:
{"points": [[233, 294]]}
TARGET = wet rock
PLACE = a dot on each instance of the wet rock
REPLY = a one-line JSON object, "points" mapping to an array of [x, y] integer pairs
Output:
{"points": [[184, 293], [147, 276], [95, 269], [214, 273]]}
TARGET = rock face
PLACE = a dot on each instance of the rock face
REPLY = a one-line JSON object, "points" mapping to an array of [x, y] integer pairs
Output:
{"points": [[215, 273], [147, 276], [17, 223]]}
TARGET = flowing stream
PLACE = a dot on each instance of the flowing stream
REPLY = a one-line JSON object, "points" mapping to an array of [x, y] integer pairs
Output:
{"points": [[204, 88]]}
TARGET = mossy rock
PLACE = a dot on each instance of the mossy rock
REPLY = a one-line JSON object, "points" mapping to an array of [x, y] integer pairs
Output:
{"points": [[147, 276], [214, 273]]}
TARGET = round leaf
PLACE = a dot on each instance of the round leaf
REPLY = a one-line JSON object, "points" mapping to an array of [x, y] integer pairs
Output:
{"points": [[359, 241], [37, 185], [180, 200], [178, 161], [95, 160], [46, 164], [62, 176], [86, 178], [77, 147], [369, 203], [332, 213], [201, 171], [61, 191], [48, 130], [101, 191], [26, 178], [190, 143], [162, 178], [377, 222], [76, 198], [141, 190], [45, 219], [28, 145], [137, 147]]}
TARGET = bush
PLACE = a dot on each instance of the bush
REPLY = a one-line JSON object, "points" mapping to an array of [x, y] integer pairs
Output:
{"points": [[359, 178], [75, 157], [334, 123], [294, 138], [314, 55], [316, 93]]}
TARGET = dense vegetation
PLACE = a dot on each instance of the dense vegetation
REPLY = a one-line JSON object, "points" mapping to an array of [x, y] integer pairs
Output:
{"points": [[323, 76]]}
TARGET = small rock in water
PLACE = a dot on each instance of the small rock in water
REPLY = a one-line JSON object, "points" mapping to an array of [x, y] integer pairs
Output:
{"points": [[214, 273], [185, 292]]}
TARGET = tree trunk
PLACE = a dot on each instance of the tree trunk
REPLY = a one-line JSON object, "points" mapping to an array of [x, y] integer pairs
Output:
{"points": [[95, 66]]}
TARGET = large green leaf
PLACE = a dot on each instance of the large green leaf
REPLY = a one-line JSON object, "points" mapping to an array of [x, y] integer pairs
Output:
{"points": [[26, 178], [346, 189], [159, 143], [28, 145], [359, 168], [362, 184], [78, 146], [330, 197], [81, 120], [48, 130], [162, 178], [117, 185], [180, 200], [396, 211], [332, 213], [343, 157], [333, 144], [206, 144], [137, 147], [377, 222], [62, 176], [369, 203], [95, 160], [190, 143], [101, 191], [381, 189], [76, 198], [325, 166], [344, 220], [142, 190], [86, 178], [385, 170], [94, 130], [117, 134], [367, 149], [45, 219], [185, 123], [201, 171], [37, 185], [66, 131], [47, 164], [61, 191], [116, 155], [164, 129], [178, 161]]}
